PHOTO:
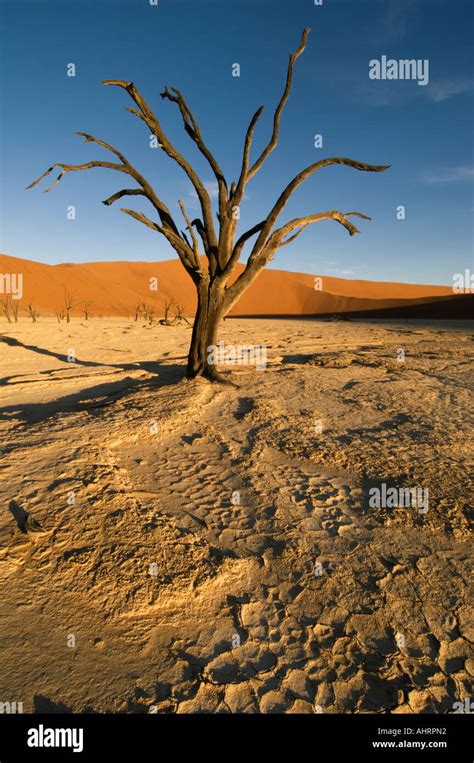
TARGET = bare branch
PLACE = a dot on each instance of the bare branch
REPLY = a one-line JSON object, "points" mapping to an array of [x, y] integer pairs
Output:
{"points": [[248, 234], [160, 206], [147, 115], [300, 178], [142, 219], [183, 250], [124, 192], [276, 119], [239, 245], [256, 263], [145, 188], [238, 190], [38, 180], [198, 224], [183, 234], [292, 238], [72, 168], [91, 139], [227, 263], [190, 228], [140, 116], [277, 237], [194, 131]]}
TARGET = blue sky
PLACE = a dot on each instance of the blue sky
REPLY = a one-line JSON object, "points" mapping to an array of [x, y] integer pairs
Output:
{"points": [[424, 133]]}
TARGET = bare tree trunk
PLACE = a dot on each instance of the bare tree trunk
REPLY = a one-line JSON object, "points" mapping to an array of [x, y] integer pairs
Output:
{"points": [[209, 313]]}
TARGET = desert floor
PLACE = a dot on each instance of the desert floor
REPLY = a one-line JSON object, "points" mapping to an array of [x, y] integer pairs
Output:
{"points": [[132, 579]]}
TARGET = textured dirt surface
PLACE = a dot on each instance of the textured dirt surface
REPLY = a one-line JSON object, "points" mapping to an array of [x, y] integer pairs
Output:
{"points": [[176, 546]]}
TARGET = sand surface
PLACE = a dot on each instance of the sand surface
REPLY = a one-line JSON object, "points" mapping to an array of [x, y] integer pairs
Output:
{"points": [[133, 580]]}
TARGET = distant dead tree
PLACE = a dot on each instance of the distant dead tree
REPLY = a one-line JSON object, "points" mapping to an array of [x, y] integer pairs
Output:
{"points": [[15, 305], [86, 311], [69, 304], [60, 314], [33, 312], [5, 307], [179, 315], [139, 310], [10, 307], [149, 313], [168, 304], [214, 276], [145, 311]]}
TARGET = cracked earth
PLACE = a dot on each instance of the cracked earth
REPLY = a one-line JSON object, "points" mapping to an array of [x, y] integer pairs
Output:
{"points": [[170, 546]]}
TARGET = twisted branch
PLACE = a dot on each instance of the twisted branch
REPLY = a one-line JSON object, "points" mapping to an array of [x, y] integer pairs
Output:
{"points": [[257, 262], [146, 114], [297, 180], [277, 237], [145, 188], [276, 119], [195, 245], [239, 189], [181, 247], [72, 168], [194, 131]]}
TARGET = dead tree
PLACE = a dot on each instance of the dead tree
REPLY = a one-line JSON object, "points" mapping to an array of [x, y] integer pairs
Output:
{"points": [[15, 305], [179, 315], [217, 288], [168, 305], [149, 313], [5, 306], [139, 310], [32, 312], [86, 310], [69, 304], [60, 314]]}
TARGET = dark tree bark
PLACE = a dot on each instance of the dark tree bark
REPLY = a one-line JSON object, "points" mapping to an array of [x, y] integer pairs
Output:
{"points": [[214, 274]]}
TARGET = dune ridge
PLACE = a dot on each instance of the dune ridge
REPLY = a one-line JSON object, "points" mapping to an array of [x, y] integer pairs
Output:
{"points": [[114, 288]]}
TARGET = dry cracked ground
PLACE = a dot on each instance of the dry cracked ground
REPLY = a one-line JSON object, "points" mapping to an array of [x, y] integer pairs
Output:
{"points": [[176, 546]]}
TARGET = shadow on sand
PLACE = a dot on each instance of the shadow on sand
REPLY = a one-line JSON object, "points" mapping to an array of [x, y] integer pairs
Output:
{"points": [[95, 397]]}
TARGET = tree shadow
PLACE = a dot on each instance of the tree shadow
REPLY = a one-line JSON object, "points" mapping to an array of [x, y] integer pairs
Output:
{"points": [[19, 515], [24, 521], [43, 704], [298, 359], [99, 396], [12, 342], [147, 365]]}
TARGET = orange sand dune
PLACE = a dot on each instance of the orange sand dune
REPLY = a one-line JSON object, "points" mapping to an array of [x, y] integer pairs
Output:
{"points": [[113, 289]]}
